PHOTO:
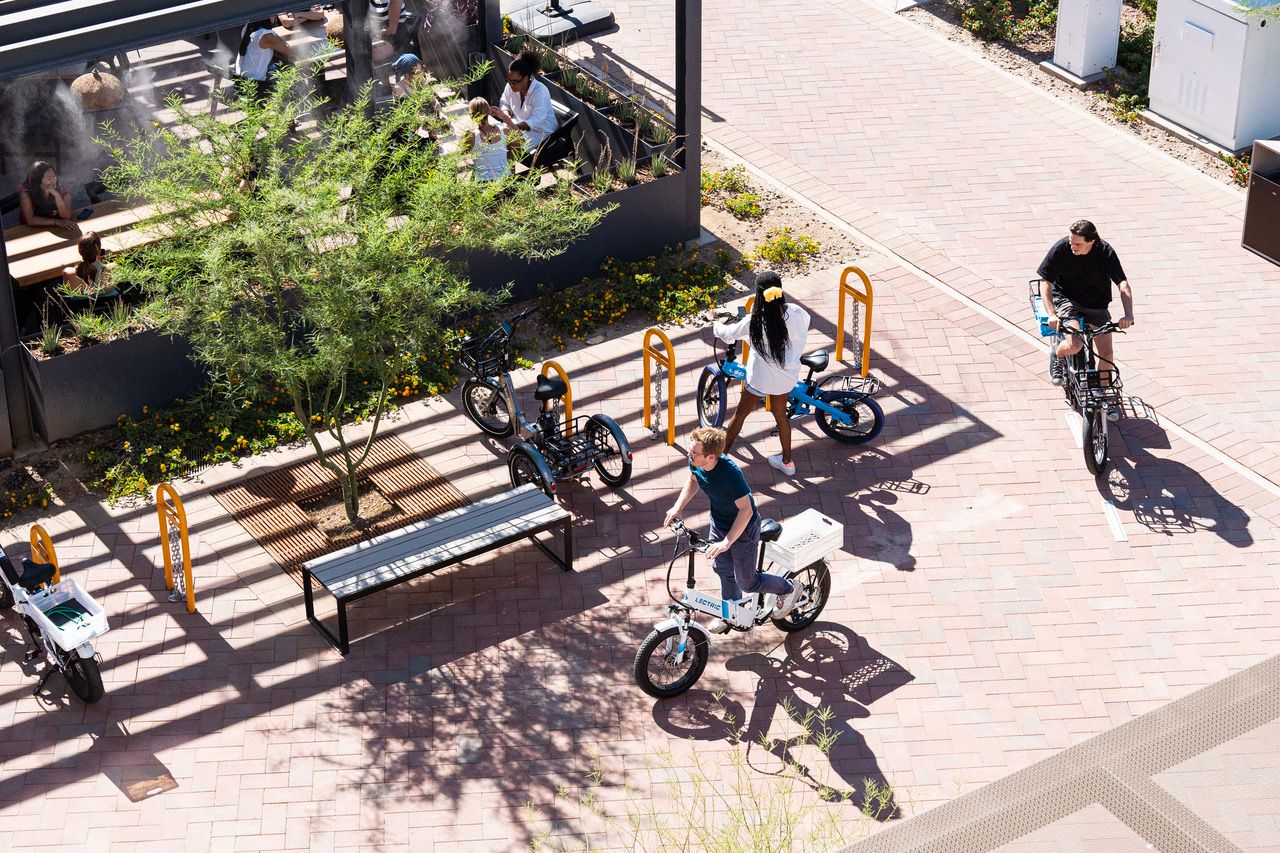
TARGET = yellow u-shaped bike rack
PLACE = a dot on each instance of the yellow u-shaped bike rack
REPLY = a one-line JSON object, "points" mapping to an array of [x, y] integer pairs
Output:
{"points": [[42, 550], [568, 394], [173, 531], [866, 297], [667, 359]]}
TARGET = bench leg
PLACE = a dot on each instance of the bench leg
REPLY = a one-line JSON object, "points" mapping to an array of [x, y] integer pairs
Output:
{"points": [[339, 642], [565, 562]]}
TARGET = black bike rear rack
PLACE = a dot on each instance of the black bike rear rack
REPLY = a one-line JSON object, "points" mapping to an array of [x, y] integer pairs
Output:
{"points": [[578, 452]]}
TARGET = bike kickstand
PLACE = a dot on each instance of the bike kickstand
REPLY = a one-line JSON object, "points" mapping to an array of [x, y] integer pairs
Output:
{"points": [[44, 679]]}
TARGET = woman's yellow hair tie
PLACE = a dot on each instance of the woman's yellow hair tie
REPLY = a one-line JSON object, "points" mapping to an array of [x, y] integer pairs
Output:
{"points": [[772, 294]]}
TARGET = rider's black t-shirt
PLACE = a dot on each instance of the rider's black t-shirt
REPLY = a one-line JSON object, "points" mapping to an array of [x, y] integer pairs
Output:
{"points": [[1084, 279]]}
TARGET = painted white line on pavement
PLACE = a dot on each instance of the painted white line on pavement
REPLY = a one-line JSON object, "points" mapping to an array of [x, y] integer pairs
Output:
{"points": [[1113, 518], [1075, 423], [1035, 340]]}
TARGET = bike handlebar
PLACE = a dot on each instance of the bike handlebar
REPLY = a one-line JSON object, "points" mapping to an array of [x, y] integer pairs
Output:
{"points": [[696, 542]]}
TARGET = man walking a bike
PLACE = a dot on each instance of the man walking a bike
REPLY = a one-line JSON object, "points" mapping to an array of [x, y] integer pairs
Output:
{"points": [[1075, 278], [735, 525]]}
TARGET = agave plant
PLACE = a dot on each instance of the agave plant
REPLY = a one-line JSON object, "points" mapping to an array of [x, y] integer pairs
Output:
{"points": [[626, 169], [50, 339]]}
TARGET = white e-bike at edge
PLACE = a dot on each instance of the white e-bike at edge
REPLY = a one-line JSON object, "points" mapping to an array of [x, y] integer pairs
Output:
{"points": [[62, 621], [671, 659]]}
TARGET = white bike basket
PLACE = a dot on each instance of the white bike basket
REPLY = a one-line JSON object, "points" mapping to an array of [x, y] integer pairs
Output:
{"points": [[805, 539]]}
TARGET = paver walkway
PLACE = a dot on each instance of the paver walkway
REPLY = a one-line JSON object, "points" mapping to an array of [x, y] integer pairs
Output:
{"points": [[994, 606]]}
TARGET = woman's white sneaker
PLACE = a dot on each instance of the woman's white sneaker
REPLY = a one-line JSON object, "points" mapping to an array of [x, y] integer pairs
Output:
{"points": [[788, 468]]}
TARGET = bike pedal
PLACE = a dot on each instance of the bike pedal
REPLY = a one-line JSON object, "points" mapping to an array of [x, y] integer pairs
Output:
{"points": [[31, 655]]}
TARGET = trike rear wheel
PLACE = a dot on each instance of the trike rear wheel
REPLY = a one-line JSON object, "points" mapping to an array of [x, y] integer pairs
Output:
{"points": [[613, 463], [866, 418], [663, 669], [712, 389], [524, 468]]}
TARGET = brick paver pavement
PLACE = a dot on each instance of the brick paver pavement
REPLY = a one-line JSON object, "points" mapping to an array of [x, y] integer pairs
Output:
{"points": [[987, 613]]}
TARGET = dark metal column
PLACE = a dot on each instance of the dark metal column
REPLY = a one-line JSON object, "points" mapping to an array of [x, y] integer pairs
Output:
{"points": [[359, 44], [15, 377], [689, 106]]}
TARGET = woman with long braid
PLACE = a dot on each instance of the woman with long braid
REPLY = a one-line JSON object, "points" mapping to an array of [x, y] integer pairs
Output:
{"points": [[777, 331]]}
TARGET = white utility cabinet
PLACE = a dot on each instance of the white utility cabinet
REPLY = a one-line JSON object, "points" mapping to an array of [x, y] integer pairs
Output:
{"points": [[1087, 36], [1215, 70]]}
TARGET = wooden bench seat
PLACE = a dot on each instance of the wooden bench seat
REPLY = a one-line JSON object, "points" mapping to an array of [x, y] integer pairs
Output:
{"points": [[393, 558]]}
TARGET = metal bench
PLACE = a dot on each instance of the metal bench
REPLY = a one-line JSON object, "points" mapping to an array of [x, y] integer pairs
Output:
{"points": [[382, 562]]}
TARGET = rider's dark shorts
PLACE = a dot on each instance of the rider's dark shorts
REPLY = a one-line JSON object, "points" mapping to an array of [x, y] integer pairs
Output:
{"points": [[1068, 310]]}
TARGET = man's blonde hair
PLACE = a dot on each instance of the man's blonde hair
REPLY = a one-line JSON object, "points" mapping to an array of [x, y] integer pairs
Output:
{"points": [[711, 439]]}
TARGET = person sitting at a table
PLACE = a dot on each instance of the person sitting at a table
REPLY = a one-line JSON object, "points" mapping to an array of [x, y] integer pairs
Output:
{"points": [[92, 276], [526, 103], [44, 201], [256, 58], [409, 71], [488, 143]]}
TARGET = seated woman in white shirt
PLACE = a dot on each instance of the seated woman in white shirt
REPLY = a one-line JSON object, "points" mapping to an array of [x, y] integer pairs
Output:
{"points": [[257, 56], [488, 143], [777, 332], [526, 103]]}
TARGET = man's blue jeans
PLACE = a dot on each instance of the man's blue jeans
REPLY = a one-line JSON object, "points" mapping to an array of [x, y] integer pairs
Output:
{"points": [[737, 566]]}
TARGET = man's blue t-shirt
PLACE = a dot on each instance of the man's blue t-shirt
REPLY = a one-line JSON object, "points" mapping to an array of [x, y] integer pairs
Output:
{"points": [[724, 485]]}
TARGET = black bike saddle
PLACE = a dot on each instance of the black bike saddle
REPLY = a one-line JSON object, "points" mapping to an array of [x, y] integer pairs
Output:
{"points": [[816, 361], [770, 530], [35, 574], [549, 388]]}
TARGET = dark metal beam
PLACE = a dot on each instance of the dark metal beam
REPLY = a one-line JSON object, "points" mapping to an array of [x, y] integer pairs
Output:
{"points": [[51, 35]]}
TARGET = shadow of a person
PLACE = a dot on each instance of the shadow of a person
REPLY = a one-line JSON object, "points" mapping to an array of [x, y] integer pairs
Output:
{"points": [[814, 668], [1167, 496]]}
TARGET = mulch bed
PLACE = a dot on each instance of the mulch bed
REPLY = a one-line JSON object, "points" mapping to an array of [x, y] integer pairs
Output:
{"points": [[271, 506]]}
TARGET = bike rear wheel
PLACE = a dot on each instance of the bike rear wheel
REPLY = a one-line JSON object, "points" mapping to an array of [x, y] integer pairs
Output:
{"points": [[866, 417], [486, 406], [614, 462], [525, 469], [815, 580], [712, 389], [663, 669], [83, 677], [1095, 440]]}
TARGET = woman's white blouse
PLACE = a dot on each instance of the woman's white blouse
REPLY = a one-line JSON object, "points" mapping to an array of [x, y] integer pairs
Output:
{"points": [[536, 111], [763, 374]]}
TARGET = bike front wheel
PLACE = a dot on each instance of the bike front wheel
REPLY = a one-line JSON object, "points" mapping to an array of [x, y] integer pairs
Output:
{"points": [[815, 589], [712, 389], [83, 677], [613, 459], [664, 668], [1095, 440], [866, 418], [486, 406]]}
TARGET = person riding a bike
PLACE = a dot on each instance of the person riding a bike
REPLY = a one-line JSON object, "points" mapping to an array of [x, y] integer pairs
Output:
{"points": [[777, 331], [1075, 278], [735, 525]]}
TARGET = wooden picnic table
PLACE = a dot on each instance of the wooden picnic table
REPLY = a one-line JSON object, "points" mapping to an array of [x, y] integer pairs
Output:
{"points": [[40, 252]]}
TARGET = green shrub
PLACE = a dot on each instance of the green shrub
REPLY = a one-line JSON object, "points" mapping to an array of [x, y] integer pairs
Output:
{"points": [[1239, 167], [781, 247], [723, 182], [744, 205]]}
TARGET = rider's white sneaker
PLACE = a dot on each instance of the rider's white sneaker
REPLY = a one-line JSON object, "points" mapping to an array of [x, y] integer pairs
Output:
{"points": [[788, 468], [787, 603], [718, 626]]}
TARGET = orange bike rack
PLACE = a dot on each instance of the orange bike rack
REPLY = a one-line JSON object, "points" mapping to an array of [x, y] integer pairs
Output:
{"points": [[866, 297], [667, 359], [175, 545], [42, 550], [568, 394]]}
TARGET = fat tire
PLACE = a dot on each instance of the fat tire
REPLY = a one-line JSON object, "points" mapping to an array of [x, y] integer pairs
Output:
{"points": [[608, 429], [523, 468], [712, 390], [853, 403], [83, 677], [474, 407], [816, 576], [654, 643], [1095, 440]]}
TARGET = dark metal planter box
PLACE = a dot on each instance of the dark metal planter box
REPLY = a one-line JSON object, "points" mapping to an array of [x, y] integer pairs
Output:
{"points": [[648, 217], [90, 388]]}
